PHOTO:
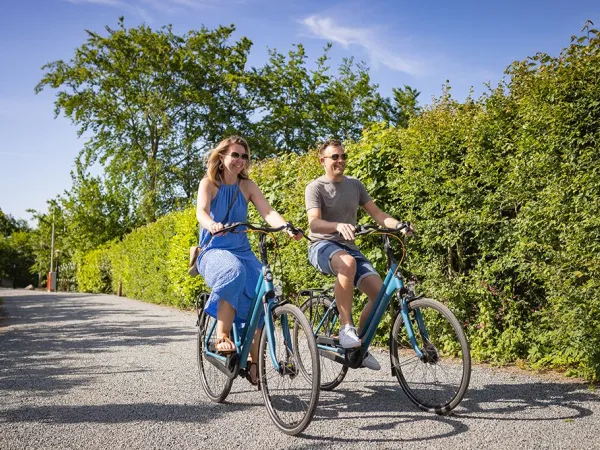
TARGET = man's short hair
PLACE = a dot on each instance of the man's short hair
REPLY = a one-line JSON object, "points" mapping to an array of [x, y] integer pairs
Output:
{"points": [[333, 142]]}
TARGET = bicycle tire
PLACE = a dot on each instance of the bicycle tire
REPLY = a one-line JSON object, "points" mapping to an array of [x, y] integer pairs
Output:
{"points": [[215, 383], [438, 382], [332, 373], [291, 408]]}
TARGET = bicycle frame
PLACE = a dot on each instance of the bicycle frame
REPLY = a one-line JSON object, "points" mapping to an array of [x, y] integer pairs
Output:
{"points": [[392, 284]]}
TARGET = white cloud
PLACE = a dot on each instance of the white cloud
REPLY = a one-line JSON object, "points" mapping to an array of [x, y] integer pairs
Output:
{"points": [[98, 2], [143, 7], [367, 38]]}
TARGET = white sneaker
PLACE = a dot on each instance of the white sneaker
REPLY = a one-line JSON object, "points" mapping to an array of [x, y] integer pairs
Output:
{"points": [[370, 362], [348, 337]]}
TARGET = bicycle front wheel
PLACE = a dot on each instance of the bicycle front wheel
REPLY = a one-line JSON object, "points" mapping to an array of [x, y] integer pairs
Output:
{"points": [[316, 309], [438, 380], [291, 390], [214, 382]]}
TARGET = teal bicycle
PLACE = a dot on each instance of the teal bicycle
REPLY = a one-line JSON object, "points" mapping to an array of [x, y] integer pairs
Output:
{"points": [[429, 352], [288, 362]]}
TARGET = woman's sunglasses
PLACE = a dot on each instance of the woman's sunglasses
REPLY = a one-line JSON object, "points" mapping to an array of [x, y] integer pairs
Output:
{"points": [[337, 156], [236, 155]]}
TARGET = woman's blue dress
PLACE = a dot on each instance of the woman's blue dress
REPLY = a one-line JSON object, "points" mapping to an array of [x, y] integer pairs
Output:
{"points": [[227, 262]]}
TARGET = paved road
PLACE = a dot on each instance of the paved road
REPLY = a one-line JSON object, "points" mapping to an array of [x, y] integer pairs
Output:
{"points": [[98, 371]]}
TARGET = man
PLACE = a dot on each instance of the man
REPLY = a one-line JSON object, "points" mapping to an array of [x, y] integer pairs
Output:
{"points": [[332, 202]]}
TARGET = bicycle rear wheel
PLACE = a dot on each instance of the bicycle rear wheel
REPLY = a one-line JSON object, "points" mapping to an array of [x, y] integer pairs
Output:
{"points": [[438, 381], [214, 382], [314, 309], [291, 392]]}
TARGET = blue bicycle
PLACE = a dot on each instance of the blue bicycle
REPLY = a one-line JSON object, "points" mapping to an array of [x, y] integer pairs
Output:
{"points": [[429, 352], [288, 362]]}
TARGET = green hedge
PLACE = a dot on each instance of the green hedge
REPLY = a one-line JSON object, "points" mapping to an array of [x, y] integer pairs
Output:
{"points": [[503, 191], [148, 264]]}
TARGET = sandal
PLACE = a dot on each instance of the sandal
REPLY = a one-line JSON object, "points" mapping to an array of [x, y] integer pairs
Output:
{"points": [[224, 345], [254, 382]]}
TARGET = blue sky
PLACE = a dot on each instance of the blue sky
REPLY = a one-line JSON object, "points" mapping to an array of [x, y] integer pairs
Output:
{"points": [[421, 44]]}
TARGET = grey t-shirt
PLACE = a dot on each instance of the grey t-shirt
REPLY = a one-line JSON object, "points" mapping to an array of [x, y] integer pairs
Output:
{"points": [[338, 201]]}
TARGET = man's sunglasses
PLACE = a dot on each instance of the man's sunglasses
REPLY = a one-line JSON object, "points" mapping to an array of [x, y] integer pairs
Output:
{"points": [[337, 156], [236, 155]]}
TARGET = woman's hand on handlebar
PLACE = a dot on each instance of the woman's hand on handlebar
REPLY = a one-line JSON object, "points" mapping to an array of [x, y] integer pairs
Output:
{"points": [[215, 227]]}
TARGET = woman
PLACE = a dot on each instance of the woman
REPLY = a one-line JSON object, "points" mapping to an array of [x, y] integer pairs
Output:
{"points": [[227, 262]]}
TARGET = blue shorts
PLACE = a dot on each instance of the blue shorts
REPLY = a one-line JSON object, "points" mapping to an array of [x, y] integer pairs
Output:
{"points": [[320, 254]]}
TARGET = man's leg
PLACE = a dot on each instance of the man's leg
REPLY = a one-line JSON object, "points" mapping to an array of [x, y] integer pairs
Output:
{"points": [[370, 285], [344, 265], [330, 258]]}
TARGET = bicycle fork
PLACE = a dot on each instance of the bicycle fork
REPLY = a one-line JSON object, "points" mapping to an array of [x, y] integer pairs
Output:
{"points": [[404, 311]]}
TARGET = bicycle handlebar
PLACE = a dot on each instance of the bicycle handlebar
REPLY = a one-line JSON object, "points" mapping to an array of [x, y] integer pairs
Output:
{"points": [[230, 227], [360, 230]]}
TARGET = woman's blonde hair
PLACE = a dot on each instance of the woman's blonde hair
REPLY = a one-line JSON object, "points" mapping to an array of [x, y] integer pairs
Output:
{"points": [[214, 167]]}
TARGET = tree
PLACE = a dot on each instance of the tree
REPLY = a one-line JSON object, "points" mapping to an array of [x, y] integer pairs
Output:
{"points": [[351, 102], [298, 107], [405, 106], [16, 255], [287, 97], [152, 101], [8, 224], [95, 211]]}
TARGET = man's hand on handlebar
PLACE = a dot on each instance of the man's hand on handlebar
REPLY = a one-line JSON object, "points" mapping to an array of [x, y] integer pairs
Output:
{"points": [[405, 228], [346, 230]]}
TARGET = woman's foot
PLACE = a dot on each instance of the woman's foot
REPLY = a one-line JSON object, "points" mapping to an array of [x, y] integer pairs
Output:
{"points": [[224, 345]]}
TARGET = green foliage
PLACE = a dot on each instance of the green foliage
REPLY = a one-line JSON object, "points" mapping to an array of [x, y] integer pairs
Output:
{"points": [[138, 262], [405, 106], [95, 212], [8, 224], [183, 288], [94, 271], [40, 239], [16, 252], [16, 257], [148, 264]]}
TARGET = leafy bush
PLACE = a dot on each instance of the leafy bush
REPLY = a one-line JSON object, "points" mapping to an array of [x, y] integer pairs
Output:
{"points": [[94, 271]]}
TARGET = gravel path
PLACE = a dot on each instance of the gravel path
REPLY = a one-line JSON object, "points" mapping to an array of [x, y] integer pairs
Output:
{"points": [[97, 371]]}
